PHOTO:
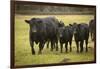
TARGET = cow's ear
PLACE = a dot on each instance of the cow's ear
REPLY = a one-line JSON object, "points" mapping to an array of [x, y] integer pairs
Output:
{"points": [[27, 21], [70, 24], [74, 23]]}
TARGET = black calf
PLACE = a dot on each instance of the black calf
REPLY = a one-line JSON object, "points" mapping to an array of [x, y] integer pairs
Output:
{"points": [[81, 34]]}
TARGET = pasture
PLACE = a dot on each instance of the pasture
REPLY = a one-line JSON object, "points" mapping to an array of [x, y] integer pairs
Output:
{"points": [[23, 54]]}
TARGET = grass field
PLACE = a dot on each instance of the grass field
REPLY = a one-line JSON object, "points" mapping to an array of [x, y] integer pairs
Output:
{"points": [[23, 54]]}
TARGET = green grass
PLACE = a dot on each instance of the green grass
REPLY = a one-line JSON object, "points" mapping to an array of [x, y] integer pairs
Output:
{"points": [[23, 54]]}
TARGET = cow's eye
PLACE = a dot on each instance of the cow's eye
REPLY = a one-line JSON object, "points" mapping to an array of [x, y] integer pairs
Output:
{"points": [[39, 21]]}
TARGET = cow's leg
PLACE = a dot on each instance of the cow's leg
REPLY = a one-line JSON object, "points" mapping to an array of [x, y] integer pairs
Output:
{"points": [[81, 45], [48, 44], [92, 36], [61, 46], [66, 46], [51, 45], [86, 42], [77, 44], [70, 42], [32, 47], [57, 45], [41, 46], [54, 44]]}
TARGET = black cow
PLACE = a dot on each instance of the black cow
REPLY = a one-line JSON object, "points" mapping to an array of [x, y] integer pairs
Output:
{"points": [[60, 24], [81, 34], [66, 34], [42, 29], [92, 28]]}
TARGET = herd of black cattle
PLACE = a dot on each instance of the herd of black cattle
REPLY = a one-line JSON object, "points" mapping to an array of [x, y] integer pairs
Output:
{"points": [[50, 30]]}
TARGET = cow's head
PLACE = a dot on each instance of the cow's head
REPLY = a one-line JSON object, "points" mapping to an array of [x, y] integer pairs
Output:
{"points": [[61, 28], [75, 27], [61, 24], [35, 24]]}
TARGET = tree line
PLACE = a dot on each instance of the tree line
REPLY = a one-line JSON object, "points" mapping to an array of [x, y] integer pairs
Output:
{"points": [[47, 9]]}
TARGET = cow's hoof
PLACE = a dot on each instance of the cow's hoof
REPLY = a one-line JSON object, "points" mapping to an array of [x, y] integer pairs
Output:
{"points": [[86, 51], [39, 53], [51, 49], [66, 52], [33, 53], [77, 51], [81, 51], [56, 49]]}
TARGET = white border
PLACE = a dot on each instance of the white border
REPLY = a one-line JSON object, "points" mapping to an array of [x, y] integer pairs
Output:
{"points": [[5, 34]]}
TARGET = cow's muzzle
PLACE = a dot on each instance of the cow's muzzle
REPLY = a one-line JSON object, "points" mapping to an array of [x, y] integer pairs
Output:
{"points": [[33, 30]]}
